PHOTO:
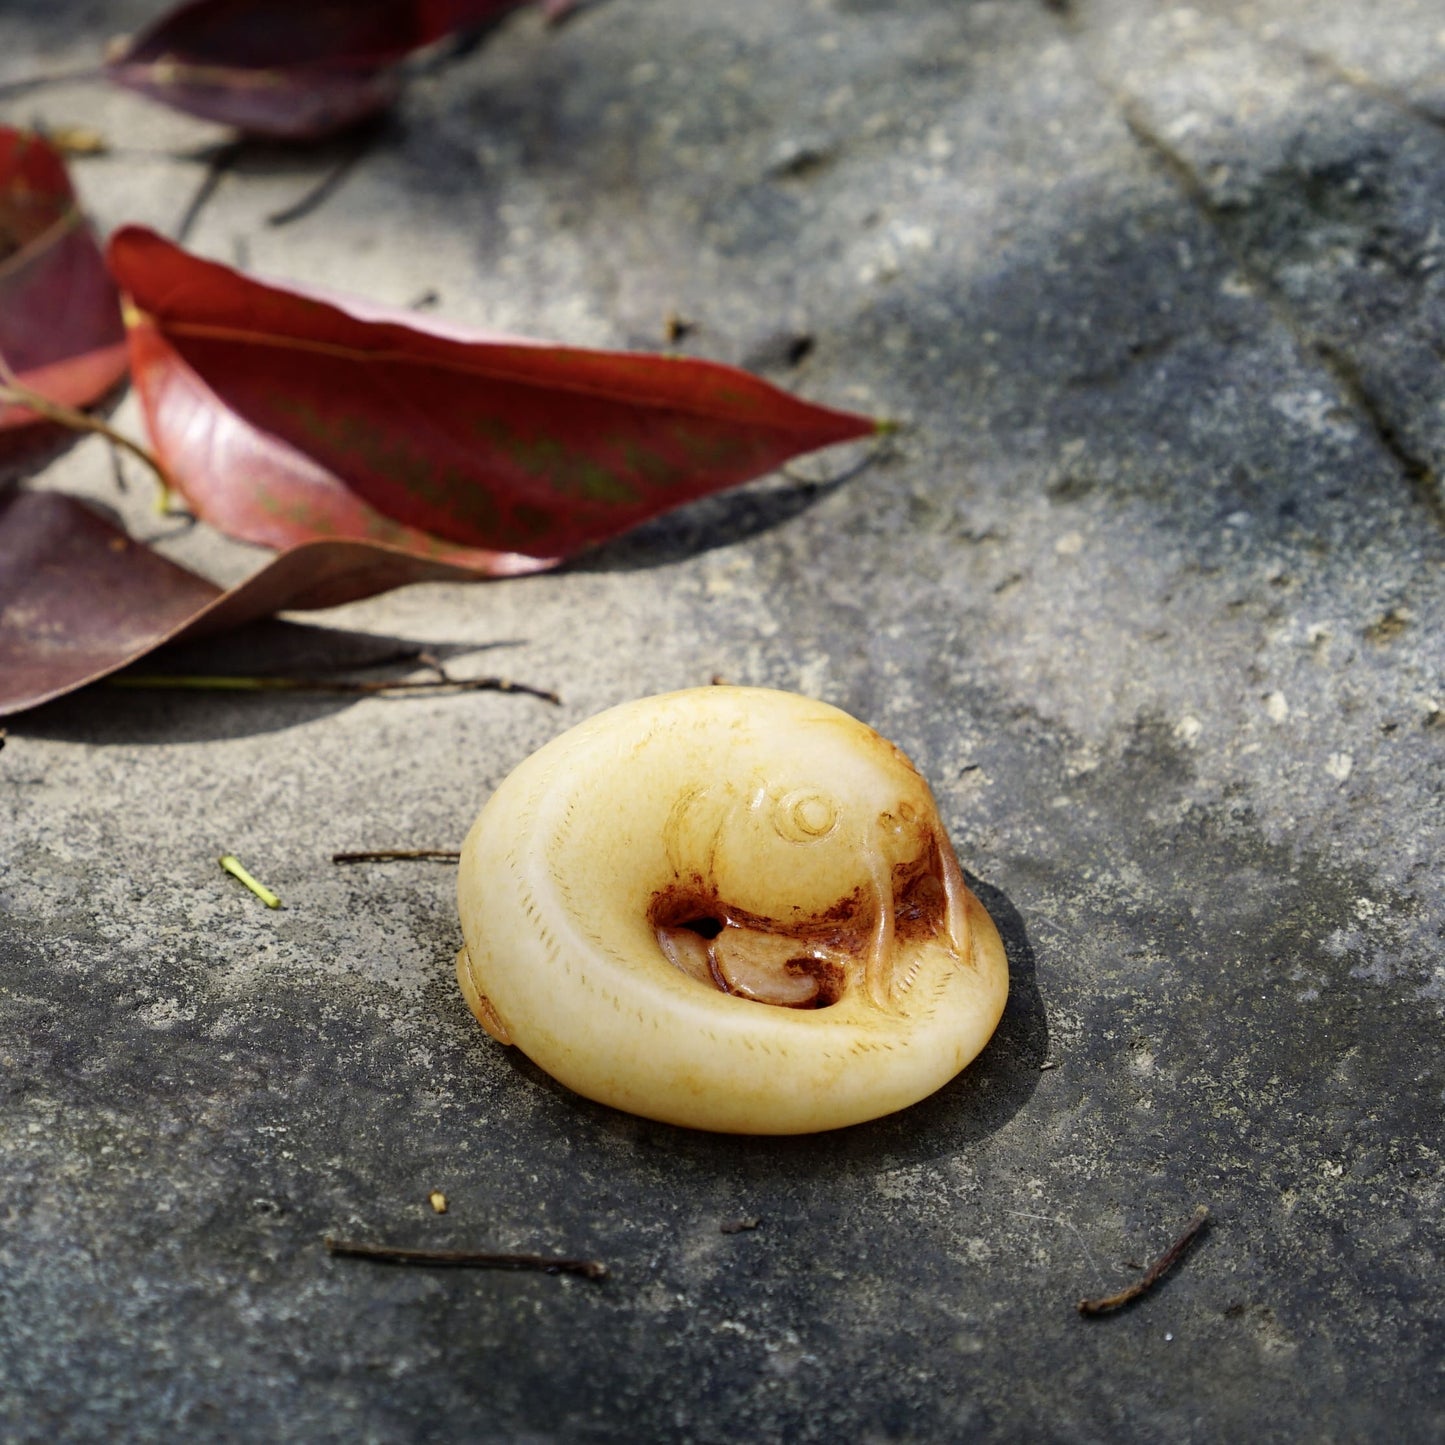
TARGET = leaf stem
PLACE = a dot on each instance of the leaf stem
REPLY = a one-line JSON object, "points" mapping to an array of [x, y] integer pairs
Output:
{"points": [[15, 392], [232, 865], [1106, 1304], [466, 1258], [219, 682]]}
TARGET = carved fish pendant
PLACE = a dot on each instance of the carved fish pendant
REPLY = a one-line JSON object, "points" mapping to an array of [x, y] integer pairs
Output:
{"points": [[727, 908]]}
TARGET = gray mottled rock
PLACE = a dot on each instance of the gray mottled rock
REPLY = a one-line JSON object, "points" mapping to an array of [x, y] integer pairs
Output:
{"points": [[1325, 181], [1149, 588]]}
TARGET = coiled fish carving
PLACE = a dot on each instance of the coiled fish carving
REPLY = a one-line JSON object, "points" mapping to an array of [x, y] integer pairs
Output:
{"points": [[728, 908]]}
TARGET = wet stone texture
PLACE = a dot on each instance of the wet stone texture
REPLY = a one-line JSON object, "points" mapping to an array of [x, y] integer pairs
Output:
{"points": [[1149, 587]]}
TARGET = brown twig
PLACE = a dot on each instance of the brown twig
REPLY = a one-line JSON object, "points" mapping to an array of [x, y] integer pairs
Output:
{"points": [[431, 661], [385, 855], [1107, 1304], [466, 1258], [14, 391], [206, 682]]}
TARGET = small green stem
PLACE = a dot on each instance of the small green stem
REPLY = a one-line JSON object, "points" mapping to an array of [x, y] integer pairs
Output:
{"points": [[232, 865], [144, 681]]}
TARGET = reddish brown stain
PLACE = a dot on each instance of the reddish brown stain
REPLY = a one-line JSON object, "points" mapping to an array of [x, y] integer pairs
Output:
{"points": [[695, 907], [920, 902], [920, 906]]}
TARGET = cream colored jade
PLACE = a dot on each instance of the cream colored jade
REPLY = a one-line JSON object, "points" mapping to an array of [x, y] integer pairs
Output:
{"points": [[728, 908]]}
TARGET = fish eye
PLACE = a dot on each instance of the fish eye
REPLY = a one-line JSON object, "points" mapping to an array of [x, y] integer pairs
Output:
{"points": [[805, 815]]}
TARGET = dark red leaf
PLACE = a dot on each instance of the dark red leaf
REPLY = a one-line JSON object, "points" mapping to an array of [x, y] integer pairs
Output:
{"points": [[79, 599], [252, 485], [513, 446], [60, 324], [288, 69]]}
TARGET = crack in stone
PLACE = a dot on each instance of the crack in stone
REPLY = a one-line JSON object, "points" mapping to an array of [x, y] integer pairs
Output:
{"points": [[1349, 75], [1342, 369]]}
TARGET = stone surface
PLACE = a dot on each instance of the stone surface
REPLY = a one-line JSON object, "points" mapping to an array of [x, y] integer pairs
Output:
{"points": [[1149, 588]]}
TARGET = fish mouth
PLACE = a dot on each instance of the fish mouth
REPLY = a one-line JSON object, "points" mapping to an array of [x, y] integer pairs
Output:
{"points": [[866, 941]]}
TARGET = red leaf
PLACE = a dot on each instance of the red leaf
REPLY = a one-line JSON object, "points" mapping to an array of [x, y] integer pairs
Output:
{"points": [[495, 443], [289, 69], [60, 325], [79, 599], [252, 485]]}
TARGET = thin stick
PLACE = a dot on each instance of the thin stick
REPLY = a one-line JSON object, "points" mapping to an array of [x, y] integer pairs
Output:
{"points": [[207, 682], [385, 855], [1151, 1276], [14, 391], [466, 1258], [232, 865]]}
